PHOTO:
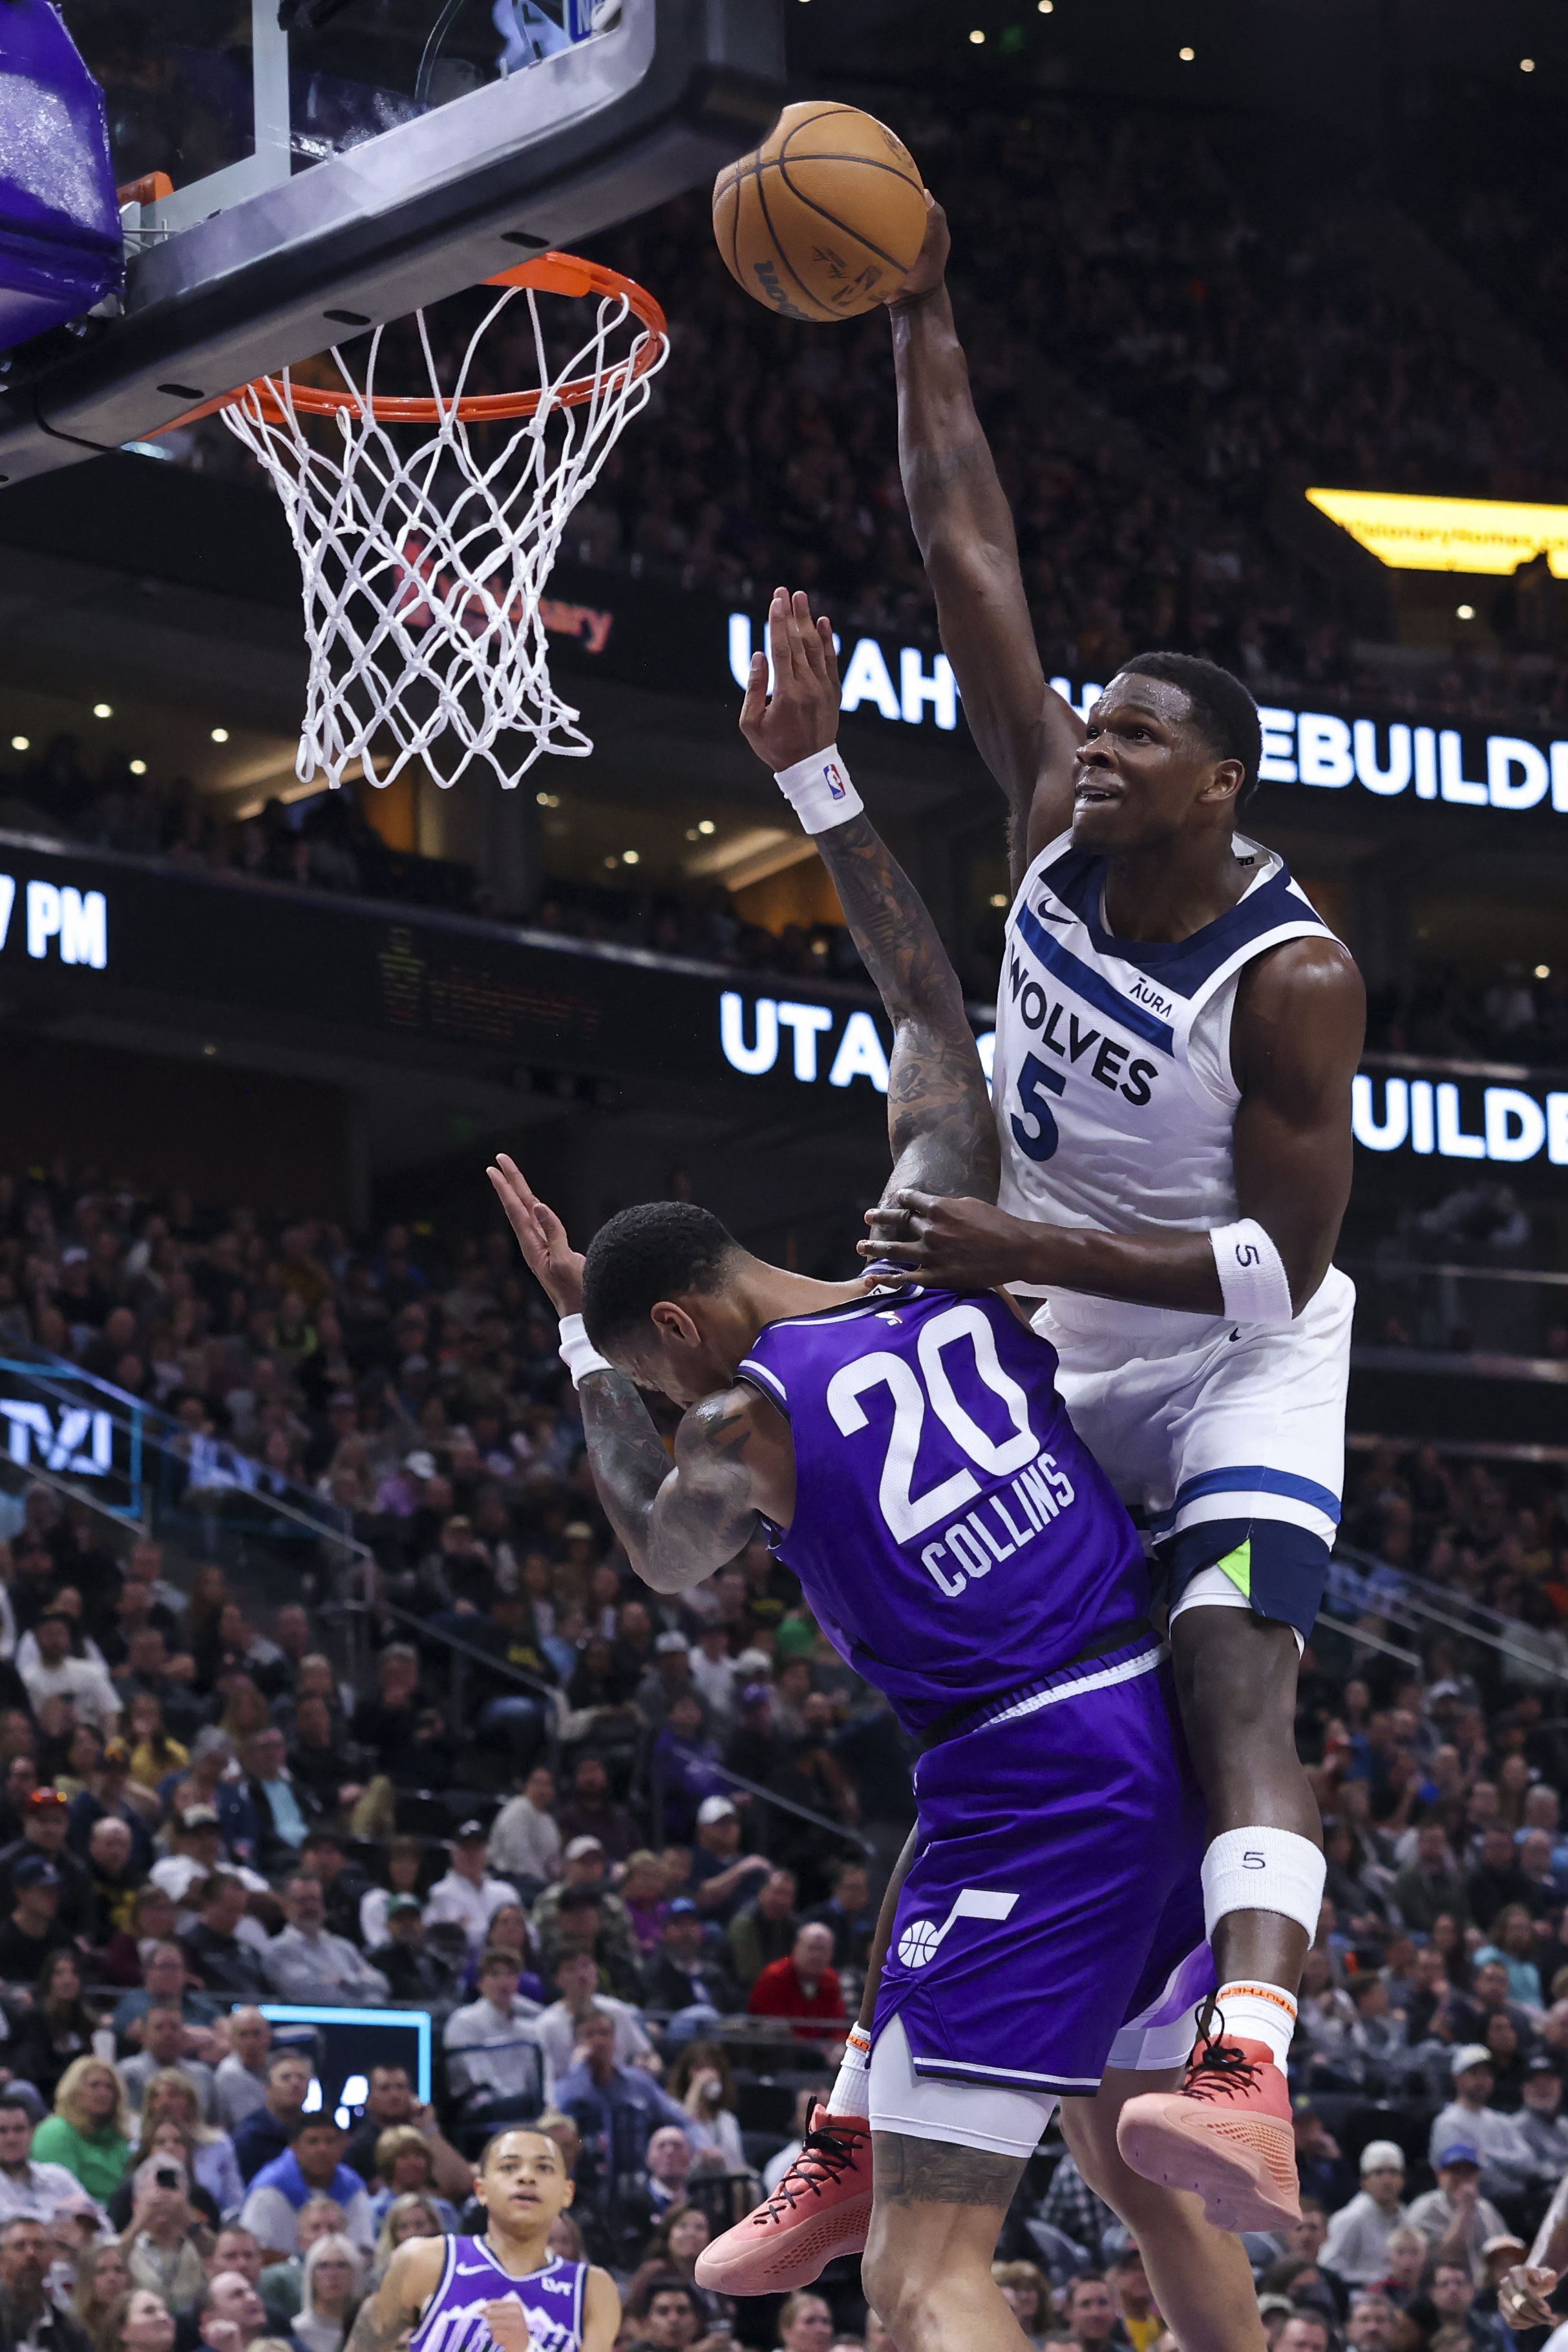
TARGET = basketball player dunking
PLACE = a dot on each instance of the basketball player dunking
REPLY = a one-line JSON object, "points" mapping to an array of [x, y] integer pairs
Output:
{"points": [[504, 2292], [909, 1457], [1176, 1033]]}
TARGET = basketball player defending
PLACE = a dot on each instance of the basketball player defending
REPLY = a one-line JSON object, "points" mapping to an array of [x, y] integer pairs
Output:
{"points": [[1176, 1033], [911, 1458], [504, 2292]]}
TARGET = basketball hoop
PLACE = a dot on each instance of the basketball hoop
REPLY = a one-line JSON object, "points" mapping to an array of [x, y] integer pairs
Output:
{"points": [[425, 558]]}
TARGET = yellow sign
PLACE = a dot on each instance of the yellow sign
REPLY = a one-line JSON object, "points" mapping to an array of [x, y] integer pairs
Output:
{"points": [[1449, 534]]}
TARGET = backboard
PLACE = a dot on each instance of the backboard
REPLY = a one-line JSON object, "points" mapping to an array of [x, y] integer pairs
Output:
{"points": [[336, 163]]}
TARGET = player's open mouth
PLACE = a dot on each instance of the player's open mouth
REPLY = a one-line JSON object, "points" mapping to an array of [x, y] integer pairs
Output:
{"points": [[1086, 795]]}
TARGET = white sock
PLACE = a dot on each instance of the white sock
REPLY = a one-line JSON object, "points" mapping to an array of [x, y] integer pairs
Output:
{"points": [[1247, 2010], [1263, 1870], [851, 2093]]}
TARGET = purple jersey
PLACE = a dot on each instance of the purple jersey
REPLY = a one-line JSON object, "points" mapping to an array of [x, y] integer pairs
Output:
{"points": [[453, 2320], [953, 1537]]}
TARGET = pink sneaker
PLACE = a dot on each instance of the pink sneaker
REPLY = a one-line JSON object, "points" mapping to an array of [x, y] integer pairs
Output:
{"points": [[821, 2209], [1226, 2135]]}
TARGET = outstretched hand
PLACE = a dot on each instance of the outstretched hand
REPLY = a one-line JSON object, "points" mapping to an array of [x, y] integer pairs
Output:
{"points": [[554, 1265], [1522, 2298], [930, 262], [949, 1244], [801, 716]]}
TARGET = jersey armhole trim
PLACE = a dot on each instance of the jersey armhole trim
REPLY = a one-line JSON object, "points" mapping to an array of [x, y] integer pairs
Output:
{"points": [[448, 2268], [767, 1384]]}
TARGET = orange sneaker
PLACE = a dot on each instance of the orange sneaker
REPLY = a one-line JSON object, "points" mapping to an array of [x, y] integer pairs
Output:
{"points": [[821, 2208], [1226, 2135]]}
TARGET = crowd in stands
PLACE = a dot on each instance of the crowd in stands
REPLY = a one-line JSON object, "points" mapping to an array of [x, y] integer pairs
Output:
{"points": [[630, 1865]]}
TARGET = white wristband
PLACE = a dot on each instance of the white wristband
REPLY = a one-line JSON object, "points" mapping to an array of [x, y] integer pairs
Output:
{"points": [[1252, 1277], [819, 791], [578, 1352]]}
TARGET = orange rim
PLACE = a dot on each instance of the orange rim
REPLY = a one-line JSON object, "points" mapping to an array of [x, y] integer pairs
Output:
{"points": [[547, 273]]}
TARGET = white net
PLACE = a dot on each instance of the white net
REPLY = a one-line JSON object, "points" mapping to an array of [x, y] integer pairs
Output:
{"points": [[425, 540]]}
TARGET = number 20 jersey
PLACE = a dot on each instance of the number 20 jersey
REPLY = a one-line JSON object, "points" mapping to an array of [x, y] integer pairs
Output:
{"points": [[952, 1536]]}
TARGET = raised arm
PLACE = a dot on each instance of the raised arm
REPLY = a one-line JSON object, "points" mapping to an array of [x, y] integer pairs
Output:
{"points": [[941, 1127], [1025, 734], [732, 1456]]}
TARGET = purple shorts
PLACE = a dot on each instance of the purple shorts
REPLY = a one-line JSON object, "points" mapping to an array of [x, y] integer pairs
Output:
{"points": [[1055, 1891]]}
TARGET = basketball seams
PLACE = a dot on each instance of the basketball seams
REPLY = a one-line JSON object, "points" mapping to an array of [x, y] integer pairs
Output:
{"points": [[824, 311], [821, 212]]}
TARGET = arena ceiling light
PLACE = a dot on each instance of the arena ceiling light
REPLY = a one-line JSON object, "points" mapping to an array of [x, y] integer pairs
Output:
{"points": [[1419, 534]]}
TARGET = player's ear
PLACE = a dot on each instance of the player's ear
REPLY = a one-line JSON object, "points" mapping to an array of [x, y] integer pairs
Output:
{"points": [[1226, 780], [672, 1322]]}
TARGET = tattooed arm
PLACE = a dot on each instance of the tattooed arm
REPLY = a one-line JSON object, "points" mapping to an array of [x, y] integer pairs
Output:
{"points": [[412, 2277], [940, 1121], [732, 1453]]}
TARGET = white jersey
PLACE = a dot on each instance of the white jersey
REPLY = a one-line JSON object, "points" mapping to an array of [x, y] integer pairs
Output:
{"points": [[1112, 1084]]}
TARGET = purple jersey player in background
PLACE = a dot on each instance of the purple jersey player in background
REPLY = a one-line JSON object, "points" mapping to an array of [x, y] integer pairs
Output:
{"points": [[911, 1457], [504, 2292]]}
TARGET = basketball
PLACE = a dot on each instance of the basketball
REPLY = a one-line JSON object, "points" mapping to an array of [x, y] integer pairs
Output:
{"points": [[826, 217]]}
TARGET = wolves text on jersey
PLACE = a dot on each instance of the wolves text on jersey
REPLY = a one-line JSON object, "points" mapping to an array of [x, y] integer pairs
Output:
{"points": [[1061, 1029]]}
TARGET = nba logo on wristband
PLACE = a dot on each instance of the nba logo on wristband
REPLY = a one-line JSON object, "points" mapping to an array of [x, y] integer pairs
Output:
{"points": [[837, 782]]}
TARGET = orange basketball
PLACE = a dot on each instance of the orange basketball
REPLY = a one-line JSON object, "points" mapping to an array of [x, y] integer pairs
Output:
{"points": [[826, 217]]}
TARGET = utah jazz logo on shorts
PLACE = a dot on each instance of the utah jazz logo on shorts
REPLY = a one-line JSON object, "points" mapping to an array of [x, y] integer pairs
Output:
{"points": [[919, 1942]]}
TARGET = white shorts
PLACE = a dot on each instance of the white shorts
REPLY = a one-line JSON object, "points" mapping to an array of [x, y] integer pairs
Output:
{"points": [[1232, 1447], [989, 2116]]}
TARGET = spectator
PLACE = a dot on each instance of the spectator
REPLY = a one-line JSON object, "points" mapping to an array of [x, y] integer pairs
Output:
{"points": [[684, 1980], [266, 2132], [1455, 2217], [105, 1799], [805, 1986], [1448, 2300], [1373, 2323], [1027, 2293], [413, 1971], [333, 2270], [57, 1675], [28, 2317], [343, 1884], [577, 1991], [852, 1916], [195, 1850], [674, 2317], [1356, 2248], [45, 1821], [401, 1729], [114, 1872], [29, 2189], [406, 2168], [312, 2166], [668, 2161], [495, 2056], [390, 2103], [239, 2083], [285, 1811], [164, 2035], [468, 1894], [57, 2027], [232, 2300], [33, 1932], [525, 1839], [161, 2250], [405, 2218], [224, 1962], [166, 1984], [207, 2154], [140, 2322], [1540, 2121], [720, 1871], [404, 1869], [678, 2237], [304, 1963], [642, 1890], [1135, 2303], [765, 1929], [1471, 2120], [701, 2080], [1090, 2311], [590, 1811], [282, 2286], [1497, 1880], [582, 1876], [101, 2278], [616, 2108], [87, 2131]]}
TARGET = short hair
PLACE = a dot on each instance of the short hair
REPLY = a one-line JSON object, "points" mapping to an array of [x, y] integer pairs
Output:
{"points": [[499, 1956], [281, 2050], [533, 2131], [662, 1249], [671, 2284], [314, 2119], [1223, 710], [397, 2140], [8, 2100]]}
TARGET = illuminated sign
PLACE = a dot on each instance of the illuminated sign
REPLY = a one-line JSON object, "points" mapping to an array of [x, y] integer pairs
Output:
{"points": [[867, 679], [1426, 1116], [781, 1034], [1413, 534], [65, 1421], [71, 926]]}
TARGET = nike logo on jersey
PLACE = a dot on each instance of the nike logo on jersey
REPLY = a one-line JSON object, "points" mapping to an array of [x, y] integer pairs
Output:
{"points": [[473, 2270]]}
